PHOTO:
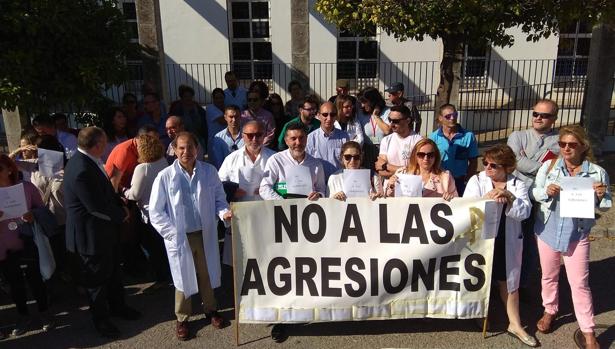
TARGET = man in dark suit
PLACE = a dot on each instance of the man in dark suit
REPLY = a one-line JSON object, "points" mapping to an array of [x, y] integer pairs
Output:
{"points": [[93, 215]]}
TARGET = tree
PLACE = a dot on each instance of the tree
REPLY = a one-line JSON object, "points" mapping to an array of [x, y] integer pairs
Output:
{"points": [[457, 22], [60, 52]]}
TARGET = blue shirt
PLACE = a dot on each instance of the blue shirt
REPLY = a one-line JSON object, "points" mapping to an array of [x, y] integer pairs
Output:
{"points": [[190, 201], [146, 119], [327, 148], [456, 152], [222, 145], [238, 97]]}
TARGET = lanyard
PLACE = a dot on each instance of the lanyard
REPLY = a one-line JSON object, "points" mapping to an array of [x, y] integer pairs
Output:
{"points": [[374, 125]]}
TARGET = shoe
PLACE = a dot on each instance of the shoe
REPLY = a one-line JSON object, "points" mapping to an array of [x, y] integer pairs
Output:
{"points": [[217, 321], [590, 341], [278, 333], [182, 331], [21, 326], [544, 324], [126, 313], [106, 329], [525, 338], [155, 287], [49, 323]]}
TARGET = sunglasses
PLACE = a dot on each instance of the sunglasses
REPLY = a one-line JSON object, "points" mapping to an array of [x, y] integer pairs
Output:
{"points": [[542, 115], [349, 157], [253, 99], [492, 165], [325, 115], [422, 155], [396, 121], [253, 135], [450, 116], [571, 145]]}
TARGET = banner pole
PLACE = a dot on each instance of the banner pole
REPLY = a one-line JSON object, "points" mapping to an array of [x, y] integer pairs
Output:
{"points": [[235, 294], [485, 326]]}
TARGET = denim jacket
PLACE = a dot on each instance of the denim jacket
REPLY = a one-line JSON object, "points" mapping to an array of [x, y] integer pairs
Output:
{"points": [[546, 204]]}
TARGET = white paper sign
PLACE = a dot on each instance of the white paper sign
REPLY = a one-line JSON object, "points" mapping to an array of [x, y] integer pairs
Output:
{"points": [[409, 185], [249, 179], [12, 202], [298, 180], [577, 198], [50, 163], [356, 183]]}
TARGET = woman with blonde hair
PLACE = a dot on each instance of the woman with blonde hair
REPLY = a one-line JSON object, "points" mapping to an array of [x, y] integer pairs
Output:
{"points": [[496, 182], [151, 162], [564, 237], [425, 161]]}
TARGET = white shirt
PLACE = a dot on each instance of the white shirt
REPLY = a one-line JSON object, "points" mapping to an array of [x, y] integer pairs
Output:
{"points": [[229, 171], [275, 173], [354, 130], [398, 149]]}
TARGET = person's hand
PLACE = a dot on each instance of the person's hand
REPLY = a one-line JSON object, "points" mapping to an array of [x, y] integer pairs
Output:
{"points": [[379, 163], [376, 113], [313, 196], [115, 178], [600, 189], [239, 193], [447, 196], [341, 196], [553, 190], [228, 215], [28, 217], [375, 195]]}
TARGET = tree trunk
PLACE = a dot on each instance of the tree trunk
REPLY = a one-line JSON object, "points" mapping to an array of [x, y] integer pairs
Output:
{"points": [[450, 71], [14, 123], [600, 85]]}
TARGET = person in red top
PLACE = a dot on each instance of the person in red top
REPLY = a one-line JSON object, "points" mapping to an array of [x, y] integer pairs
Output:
{"points": [[122, 161]]}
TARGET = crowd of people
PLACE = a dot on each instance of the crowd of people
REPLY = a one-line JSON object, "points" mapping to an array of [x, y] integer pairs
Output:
{"points": [[160, 180]]}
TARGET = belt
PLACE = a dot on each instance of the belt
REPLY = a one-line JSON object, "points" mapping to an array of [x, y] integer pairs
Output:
{"points": [[194, 232]]}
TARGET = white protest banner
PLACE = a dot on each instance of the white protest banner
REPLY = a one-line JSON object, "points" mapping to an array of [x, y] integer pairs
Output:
{"points": [[329, 260], [13, 202], [577, 198]]}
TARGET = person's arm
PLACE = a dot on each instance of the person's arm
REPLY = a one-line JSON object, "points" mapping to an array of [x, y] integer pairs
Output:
{"points": [[524, 164], [538, 191], [224, 173], [520, 207], [472, 188], [384, 168], [137, 187], [221, 205], [451, 187], [90, 193], [270, 130], [270, 178], [386, 128], [320, 186], [158, 206], [607, 201]]}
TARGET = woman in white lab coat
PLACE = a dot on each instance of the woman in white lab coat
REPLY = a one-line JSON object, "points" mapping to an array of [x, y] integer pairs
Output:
{"points": [[496, 182]]}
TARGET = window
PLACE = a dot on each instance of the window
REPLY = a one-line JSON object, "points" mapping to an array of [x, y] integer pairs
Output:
{"points": [[475, 66], [129, 9], [133, 63], [251, 54], [573, 52], [357, 56]]}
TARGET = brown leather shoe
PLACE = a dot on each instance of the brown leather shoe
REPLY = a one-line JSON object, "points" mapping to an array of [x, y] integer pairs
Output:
{"points": [[182, 331], [217, 321], [544, 324]]}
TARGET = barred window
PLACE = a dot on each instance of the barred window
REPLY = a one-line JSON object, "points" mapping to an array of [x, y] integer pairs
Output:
{"points": [[251, 53], [357, 55], [573, 51]]}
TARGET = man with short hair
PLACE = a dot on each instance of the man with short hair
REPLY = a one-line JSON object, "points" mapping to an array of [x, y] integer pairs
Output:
{"points": [[326, 142], [61, 121], [186, 198], [342, 87], [173, 126], [256, 112], [307, 111], [273, 185], [395, 149], [45, 125], [227, 140], [458, 147], [234, 94], [396, 97], [93, 215], [154, 114]]}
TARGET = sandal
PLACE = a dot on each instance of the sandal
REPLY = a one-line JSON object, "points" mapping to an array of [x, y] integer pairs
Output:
{"points": [[524, 338], [544, 324]]}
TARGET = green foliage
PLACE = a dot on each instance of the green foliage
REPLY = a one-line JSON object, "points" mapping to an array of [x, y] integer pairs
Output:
{"points": [[60, 52]]}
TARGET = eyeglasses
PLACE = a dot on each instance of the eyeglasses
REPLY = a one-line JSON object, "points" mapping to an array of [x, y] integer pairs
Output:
{"points": [[396, 121], [491, 165], [325, 115], [571, 145], [253, 99], [253, 135], [542, 115], [308, 109], [450, 116], [422, 155], [349, 157]]}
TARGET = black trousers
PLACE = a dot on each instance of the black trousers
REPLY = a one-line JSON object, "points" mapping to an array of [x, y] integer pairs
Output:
{"points": [[101, 276], [14, 276], [157, 253]]}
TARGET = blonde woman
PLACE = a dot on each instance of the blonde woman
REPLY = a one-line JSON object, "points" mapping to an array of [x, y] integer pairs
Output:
{"points": [[567, 238], [425, 162]]}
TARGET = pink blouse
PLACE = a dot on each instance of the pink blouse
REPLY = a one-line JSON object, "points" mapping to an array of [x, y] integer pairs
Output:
{"points": [[434, 186], [9, 239]]}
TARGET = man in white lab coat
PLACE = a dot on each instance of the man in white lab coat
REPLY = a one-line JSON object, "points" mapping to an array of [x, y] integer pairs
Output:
{"points": [[186, 197]]}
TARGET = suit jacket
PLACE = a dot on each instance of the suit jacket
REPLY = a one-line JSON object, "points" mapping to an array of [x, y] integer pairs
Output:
{"points": [[93, 209]]}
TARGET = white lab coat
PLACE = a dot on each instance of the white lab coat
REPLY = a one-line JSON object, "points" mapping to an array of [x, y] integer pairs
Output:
{"points": [[166, 213], [520, 209]]}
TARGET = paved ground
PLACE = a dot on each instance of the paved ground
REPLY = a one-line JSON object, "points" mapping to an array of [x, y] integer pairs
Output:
{"points": [[156, 328]]}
